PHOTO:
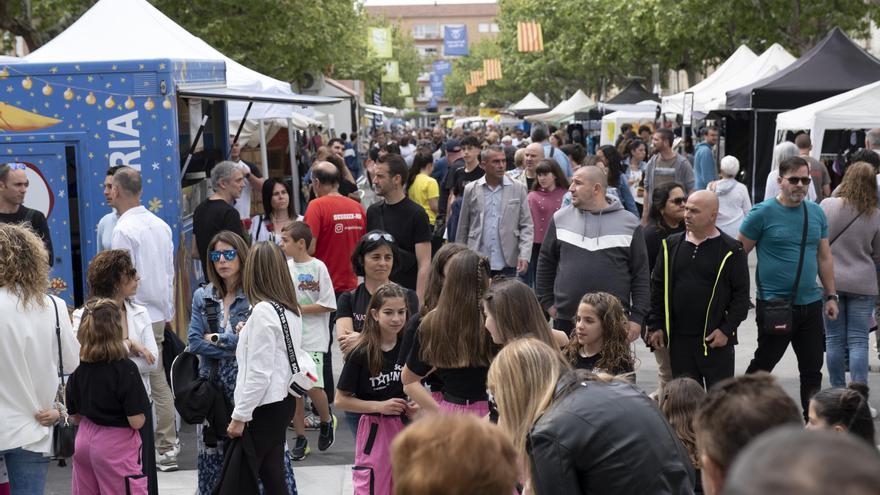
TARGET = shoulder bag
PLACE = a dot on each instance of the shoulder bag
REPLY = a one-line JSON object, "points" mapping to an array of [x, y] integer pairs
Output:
{"points": [[64, 432], [301, 382], [774, 316]]}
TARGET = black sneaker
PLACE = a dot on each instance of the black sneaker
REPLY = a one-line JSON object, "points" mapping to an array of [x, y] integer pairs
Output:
{"points": [[327, 435], [300, 449]]}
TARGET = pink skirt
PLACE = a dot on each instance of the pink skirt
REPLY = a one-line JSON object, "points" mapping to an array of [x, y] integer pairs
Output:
{"points": [[371, 473], [480, 408]]}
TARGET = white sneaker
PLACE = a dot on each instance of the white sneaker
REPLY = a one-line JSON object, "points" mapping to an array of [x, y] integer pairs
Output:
{"points": [[167, 462], [873, 412]]}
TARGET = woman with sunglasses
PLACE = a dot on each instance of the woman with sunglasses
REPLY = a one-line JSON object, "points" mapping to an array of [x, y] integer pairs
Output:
{"points": [[111, 275], [373, 259], [217, 310]]}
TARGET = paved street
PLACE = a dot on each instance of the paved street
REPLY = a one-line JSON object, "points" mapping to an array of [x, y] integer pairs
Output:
{"points": [[327, 473]]}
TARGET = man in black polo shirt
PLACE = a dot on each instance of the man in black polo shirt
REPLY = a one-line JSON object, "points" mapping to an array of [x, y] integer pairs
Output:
{"points": [[405, 220], [699, 295], [216, 213], [13, 188]]}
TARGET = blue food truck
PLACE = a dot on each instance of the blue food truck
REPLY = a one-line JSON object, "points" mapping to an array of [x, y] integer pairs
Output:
{"points": [[69, 122]]}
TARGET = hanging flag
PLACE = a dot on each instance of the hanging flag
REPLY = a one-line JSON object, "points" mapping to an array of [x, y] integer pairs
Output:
{"points": [[492, 69], [438, 87], [392, 72], [442, 67], [469, 88], [478, 79], [379, 41], [455, 40], [529, 37], [408, 102], [404, 89]]}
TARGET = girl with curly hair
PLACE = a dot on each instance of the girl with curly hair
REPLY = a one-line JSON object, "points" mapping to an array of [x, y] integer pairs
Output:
{"points": [[599, 341]]}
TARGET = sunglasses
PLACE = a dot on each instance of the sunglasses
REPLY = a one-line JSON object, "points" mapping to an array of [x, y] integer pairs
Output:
{"points": [[375, 236], [803, 180], [679, 201], [229, 254]]}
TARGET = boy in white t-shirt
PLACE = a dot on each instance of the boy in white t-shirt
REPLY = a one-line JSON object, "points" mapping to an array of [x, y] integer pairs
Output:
{"points": [[314, 292]]}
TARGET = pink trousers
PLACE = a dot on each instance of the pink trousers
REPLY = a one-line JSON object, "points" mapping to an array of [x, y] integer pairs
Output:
{"points": [[480, 408], [107, 461], [371, 474]]}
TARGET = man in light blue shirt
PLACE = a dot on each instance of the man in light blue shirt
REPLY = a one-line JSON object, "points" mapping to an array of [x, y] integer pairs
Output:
{"points": [[539, 135], [704, 159], [108, 221]]}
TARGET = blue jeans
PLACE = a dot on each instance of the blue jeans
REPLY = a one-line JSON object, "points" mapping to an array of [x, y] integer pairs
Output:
{"points": [[27, 471], [849, 331]]}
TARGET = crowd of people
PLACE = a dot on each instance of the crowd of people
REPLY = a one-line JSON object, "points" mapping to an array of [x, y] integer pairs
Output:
{"points": [[487, 291]]}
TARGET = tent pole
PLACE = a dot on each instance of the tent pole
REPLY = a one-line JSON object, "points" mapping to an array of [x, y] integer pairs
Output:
{"points": [[754, 151], [240, 126], [294, 167], [264, 154]]}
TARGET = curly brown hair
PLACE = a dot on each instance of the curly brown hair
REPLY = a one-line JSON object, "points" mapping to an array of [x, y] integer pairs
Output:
{"points": [[859, 187], [107, 271], [24, 264], [616, 352]]}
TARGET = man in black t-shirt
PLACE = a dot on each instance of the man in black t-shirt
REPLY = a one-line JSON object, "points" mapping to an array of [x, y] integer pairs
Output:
{"points": [[13, 188], [458, 178], [216, 213], [405, 220]]}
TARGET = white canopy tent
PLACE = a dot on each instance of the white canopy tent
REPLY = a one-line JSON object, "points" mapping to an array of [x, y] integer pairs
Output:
{"points": [[855, 109], [529, 104], [706, 89], [564, 112], [770, 62], [611, 122], [642, 106]]}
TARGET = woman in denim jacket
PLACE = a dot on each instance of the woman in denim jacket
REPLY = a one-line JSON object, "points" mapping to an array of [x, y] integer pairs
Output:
{"points": [[213, 335]]}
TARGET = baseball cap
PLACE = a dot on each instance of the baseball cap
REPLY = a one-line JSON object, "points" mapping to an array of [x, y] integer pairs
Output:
{"points": [[453, 145]]}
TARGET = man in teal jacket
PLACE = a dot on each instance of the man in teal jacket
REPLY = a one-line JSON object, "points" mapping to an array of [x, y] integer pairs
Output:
{"points": [[704, 159]]}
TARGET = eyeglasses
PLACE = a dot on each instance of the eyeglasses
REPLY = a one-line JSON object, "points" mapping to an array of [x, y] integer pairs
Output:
{"points": [[229, 254], [803, 180], [679, 201], [375, 236]]}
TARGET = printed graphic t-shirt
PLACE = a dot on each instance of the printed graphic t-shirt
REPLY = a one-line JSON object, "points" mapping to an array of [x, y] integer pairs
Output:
{"points": [[337, 225], [313, 286], [356, 377]]}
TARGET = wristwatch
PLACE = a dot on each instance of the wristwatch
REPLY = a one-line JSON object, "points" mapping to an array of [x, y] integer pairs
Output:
{"points": [[832, 297]]}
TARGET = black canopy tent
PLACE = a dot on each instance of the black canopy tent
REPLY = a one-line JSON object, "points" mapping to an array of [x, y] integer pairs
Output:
{"points": [[835, 65], [634, 92]]}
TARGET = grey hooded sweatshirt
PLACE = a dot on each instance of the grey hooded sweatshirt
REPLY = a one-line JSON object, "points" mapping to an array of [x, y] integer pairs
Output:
{"points": [[591, 252]]}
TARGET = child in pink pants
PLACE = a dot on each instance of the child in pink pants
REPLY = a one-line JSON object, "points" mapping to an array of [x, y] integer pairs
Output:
{"points": [[106, 396]]}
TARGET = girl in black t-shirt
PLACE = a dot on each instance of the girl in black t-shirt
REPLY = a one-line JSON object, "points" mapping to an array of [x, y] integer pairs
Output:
{"points": [[599, 341], [452, 341], [370, 385], [106, 396]]}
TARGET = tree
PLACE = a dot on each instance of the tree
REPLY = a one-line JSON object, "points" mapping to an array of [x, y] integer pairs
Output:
{"points": [[38, 21]]}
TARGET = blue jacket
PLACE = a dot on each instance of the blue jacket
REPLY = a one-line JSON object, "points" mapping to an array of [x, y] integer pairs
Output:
{"points": [[704, 166], [198, 327]]}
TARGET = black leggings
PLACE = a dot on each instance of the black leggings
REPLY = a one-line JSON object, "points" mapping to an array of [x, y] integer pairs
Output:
{"points": [[268, 430]]}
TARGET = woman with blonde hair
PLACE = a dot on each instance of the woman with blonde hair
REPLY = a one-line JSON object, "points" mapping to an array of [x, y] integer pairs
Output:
{"points": [[585, 434], [679, 403], [265, 381], [29, 353], [854, 236]]}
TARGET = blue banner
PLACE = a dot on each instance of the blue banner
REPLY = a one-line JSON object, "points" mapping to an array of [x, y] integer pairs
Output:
{"points": [[442, 67], [455, 41], [438, 88]]}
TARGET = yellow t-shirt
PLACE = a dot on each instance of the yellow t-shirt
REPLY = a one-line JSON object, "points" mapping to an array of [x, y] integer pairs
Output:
{"points": [[423, 188]]}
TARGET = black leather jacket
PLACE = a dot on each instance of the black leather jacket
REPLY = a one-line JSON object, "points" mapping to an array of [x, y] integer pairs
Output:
{"points": [[606, 438]]}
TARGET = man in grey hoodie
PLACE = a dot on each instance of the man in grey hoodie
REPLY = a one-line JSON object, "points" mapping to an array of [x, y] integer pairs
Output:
{"points": [[666, 166], [593, 245]]}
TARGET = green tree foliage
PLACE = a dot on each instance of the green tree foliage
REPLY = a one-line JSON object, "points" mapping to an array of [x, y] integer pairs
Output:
{"points": [[595, 44]]}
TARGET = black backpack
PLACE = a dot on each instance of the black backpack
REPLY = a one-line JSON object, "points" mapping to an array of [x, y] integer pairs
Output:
{"points": [[197, 399]]}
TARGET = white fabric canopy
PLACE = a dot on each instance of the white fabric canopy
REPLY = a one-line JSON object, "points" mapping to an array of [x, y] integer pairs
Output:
{"points": [[579, 102], [855, 109], [529, 103], [706, 89], [611, 122], [642, 106], [770, 62], [102, 34]]}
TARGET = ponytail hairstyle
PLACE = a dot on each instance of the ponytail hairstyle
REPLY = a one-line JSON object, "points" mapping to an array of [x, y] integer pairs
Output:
{"points": [[846, 407], [100, 332], [453, 334], [616, 352], [370, 341]]}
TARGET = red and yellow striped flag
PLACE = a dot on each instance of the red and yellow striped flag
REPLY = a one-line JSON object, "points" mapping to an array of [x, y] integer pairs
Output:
{"points": [[529, 37], [492, 69], [469, 88], [478, 79]]}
